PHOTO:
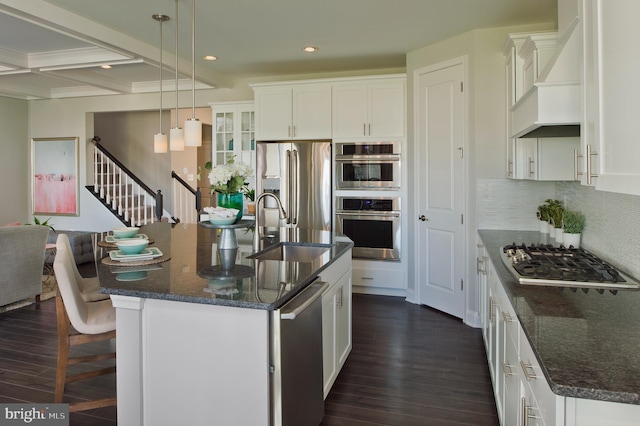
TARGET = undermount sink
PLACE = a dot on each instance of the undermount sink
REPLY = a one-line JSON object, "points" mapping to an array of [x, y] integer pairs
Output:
{"points": [[289, 252]]}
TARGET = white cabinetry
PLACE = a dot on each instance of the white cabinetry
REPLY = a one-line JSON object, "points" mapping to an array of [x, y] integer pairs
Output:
{"points": [[376, 277], [285, 111], [546, 158], [514, 90], [611, 95], [519, 386], [336, 319], [234, 132], [526, 56], [373, 108]]}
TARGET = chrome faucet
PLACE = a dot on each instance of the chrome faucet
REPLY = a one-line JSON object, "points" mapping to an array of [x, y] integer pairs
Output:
{"points": [[283, 215]]}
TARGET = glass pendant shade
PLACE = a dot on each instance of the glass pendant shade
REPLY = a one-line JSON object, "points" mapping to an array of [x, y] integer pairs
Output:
{"points": [[176, 139], [160, 143], [193, 132]]}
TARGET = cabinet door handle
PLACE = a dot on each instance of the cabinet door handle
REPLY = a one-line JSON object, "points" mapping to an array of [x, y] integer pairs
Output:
{"points": [[369, 129], [526, 412], [506, 316], [525, 368], [590, 175], [294, 131], [364, 129], [507, 370], [492, 306], [531, 163], [289, 131], [510, 168]]}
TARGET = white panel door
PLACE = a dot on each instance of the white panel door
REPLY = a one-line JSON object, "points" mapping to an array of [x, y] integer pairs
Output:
{"points": [[440, 187]]}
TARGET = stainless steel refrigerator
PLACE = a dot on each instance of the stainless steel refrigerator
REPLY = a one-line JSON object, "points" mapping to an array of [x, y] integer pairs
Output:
{"points": [[300, 174]]}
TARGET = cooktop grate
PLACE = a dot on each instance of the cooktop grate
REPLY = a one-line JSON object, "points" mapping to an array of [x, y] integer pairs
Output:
{"points": [[561, 266]]}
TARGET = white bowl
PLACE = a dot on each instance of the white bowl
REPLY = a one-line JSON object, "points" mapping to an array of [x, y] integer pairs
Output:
{"points": [[128, 232], [217, 220], [132, 246]]}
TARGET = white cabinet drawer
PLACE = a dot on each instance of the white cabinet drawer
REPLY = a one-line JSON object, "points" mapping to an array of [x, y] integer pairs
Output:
{"points": [[379, 277]]}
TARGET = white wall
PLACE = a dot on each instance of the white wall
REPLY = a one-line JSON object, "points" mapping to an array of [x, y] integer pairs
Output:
{"points": [[15, 189]]}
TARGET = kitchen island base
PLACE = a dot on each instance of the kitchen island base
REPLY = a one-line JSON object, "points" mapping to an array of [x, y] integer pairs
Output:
{"points": [[191, 364]]}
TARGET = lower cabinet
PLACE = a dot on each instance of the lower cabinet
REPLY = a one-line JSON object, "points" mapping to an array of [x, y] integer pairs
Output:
{"points": [[379, 277], [523, 395], [336, 321]]}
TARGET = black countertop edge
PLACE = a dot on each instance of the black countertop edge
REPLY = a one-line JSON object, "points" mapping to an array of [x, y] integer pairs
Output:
{"points": [[340, 247], [493, 240]]}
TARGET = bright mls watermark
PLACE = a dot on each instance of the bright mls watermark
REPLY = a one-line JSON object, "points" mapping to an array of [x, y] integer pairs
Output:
{"points": [[34, 414]]}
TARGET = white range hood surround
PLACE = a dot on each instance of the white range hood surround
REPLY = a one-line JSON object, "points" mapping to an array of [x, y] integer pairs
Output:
{"points": [[552, 106]]}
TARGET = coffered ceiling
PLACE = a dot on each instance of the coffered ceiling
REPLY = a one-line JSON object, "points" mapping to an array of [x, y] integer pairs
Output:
{"points": [[54, 48]]}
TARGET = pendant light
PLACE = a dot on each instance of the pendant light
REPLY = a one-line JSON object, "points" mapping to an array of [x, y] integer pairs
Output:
{"points": [[193, 126], [176, 135], [160, 139]]}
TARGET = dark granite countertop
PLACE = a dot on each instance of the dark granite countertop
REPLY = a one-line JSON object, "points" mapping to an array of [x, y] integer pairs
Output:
{"points": [[187, 276], [588, 344]]}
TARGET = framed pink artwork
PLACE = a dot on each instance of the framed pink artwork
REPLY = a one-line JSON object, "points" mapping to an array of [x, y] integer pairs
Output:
{"points": [[55, 176]]}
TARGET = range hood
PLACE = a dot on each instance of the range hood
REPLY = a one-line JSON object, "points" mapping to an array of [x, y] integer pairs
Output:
{"points": [[552, 107]]}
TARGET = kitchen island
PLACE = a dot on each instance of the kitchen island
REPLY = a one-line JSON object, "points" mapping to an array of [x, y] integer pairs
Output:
{"points": [[581, 346], [198, 348]]}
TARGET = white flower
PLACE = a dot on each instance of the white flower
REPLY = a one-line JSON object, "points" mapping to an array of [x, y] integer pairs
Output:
{"points": [[230, 177]]}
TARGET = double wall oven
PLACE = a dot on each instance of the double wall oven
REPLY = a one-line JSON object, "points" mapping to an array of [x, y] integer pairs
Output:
{"points": [[368, 197]]}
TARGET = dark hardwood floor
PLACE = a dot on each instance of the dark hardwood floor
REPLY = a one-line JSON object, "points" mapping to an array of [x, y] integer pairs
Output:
{"points": [[410, 365]]}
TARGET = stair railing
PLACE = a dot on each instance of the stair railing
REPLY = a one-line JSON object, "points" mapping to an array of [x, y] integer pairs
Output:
{"points": [[122, 191], [185, 198]]}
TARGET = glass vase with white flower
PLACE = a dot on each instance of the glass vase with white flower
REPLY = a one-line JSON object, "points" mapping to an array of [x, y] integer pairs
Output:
{"points": [[227, 180]]}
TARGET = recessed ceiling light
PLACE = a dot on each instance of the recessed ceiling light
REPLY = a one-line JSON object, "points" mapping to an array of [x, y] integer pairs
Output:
{"points": [[209, 57], [106, 67], [310, 49]]}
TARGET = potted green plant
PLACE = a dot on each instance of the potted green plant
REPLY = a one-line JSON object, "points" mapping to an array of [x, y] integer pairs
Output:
{"points": [[555, 211], [573, 225], [543, 216]]}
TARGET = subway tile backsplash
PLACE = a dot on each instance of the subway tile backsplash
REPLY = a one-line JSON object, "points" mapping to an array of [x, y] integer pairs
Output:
{"points": [[612, 229]]}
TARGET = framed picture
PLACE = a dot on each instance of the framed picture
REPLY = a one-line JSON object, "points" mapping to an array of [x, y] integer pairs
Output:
{"points": [[55, 176]]}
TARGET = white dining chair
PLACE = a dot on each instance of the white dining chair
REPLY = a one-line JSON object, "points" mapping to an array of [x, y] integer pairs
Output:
{"points": [[89, 286], [80, 322]]}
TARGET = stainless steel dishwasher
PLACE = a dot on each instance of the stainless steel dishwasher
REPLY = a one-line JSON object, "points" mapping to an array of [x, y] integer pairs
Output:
{"points": [[296, 360]]}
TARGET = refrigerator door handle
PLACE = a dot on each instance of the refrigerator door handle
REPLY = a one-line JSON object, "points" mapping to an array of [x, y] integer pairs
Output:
{"points": [[289, 187], [293, 199]]}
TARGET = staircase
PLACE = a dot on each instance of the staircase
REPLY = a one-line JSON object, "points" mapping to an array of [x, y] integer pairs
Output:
{"points": [[121, 191]]}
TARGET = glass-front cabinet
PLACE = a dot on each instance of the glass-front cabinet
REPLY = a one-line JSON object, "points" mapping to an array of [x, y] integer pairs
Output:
{"points": [[234, 133]]}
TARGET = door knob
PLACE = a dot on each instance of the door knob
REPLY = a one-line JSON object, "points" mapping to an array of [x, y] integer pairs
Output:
{"points": [[423, 218]]}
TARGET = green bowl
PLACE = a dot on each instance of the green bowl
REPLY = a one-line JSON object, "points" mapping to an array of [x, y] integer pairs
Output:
{"points": [[128, 232], [132, 246]]}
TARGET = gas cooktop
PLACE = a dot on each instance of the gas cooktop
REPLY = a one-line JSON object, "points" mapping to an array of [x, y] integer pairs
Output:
{"points": [[548, 265]]}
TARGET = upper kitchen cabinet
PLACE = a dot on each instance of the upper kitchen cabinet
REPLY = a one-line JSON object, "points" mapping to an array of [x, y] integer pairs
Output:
{"points": [[611, 92], [369, 108], [513, 91], [537, 110], [546, 158], [286, 111], [234, 132]]}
